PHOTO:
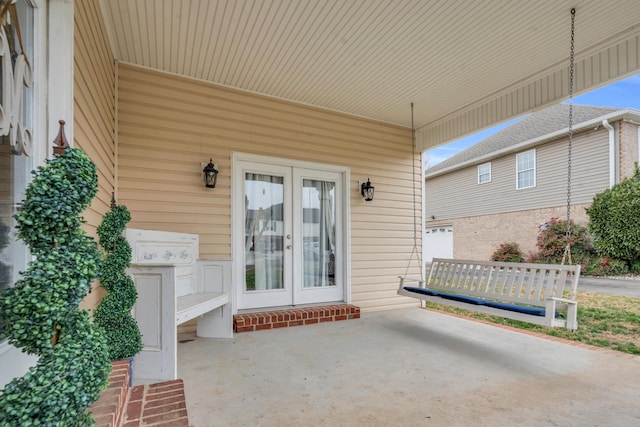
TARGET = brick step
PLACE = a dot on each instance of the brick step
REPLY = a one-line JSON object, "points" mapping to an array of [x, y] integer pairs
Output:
{"points": [[284, 318], [107, 410], [160, 404]]}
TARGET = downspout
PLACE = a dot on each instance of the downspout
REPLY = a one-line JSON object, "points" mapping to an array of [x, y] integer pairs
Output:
{"points": [[612, 153]]}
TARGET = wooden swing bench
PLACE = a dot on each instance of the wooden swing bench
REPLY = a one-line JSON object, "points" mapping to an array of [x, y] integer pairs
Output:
{"points": [[543, 294]]}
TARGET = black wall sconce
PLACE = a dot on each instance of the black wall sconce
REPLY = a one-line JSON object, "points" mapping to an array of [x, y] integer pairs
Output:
{"points": [[210, 175], [366, 189]]}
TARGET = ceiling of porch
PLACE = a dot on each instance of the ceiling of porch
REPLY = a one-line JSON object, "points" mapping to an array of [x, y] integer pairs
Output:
{"points": [[464, 64]]}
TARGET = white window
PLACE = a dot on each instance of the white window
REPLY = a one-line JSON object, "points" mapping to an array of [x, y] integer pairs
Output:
{"points": [[484, 173], [24, 109], [14, 163], [526, 169]]}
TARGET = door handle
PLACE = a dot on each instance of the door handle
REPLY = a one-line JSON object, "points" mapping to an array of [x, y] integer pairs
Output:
{"points": [[288, 246]]}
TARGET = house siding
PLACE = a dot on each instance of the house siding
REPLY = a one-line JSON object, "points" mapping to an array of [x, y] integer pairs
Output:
{"points": [[169, 125], [457, 194], [94, 109]]}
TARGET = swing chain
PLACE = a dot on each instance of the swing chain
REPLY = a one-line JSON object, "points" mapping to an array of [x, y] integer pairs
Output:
{"points": [[567, 251], [415, 202]]}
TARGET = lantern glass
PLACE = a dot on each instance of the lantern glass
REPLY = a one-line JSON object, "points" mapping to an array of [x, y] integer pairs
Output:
{"points": [[367, 190], [210, 175]]}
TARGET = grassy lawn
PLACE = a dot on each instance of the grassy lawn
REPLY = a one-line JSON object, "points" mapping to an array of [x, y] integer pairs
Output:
{"points": [[608, 321]]}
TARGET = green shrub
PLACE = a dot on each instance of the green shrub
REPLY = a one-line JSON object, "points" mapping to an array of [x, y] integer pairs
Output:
{"points": [[634, 266], [508, 252], [599, 266], [614, 220], [552, 241], [113, 314], [40, 313]]}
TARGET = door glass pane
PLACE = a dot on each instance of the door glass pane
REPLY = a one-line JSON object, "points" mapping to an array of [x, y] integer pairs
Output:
{"points": [[14, 164], [263, 200], [319, 233]]}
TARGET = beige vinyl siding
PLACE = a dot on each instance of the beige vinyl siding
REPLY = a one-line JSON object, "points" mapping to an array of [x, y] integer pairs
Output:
{"points": [[457, 194], [169, 126], [94, 109]]}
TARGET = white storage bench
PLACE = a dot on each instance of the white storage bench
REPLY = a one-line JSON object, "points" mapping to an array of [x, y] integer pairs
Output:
{"points": [[543, 294], [174, 286]]}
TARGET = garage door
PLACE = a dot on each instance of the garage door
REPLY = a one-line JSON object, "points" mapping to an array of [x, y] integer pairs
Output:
{"points": [[438, 242]]}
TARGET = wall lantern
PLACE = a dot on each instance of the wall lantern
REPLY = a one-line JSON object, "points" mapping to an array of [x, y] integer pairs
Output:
{"points": [[366, 189], [210, 175]]}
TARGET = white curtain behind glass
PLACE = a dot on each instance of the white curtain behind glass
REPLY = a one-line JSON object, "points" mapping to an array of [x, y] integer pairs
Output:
{"points": [[319, 229], [263, 232]]}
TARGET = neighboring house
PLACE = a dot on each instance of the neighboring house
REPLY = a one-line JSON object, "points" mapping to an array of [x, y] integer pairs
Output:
{"points": [[296, 103], [504, 187]]}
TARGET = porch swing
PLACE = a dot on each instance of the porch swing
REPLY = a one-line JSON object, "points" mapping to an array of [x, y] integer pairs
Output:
{"points": [[533, 293]]}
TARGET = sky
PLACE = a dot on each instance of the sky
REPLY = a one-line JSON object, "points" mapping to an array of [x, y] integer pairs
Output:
{"points": [[624, 94]]}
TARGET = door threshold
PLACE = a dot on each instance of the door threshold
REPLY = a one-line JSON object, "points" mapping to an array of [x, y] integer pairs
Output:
{"points": [[289, 307], [284, 317]]}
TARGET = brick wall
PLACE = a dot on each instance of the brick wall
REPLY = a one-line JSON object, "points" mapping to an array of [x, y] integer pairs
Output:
{"points": [[478, 237], [628, 139]]}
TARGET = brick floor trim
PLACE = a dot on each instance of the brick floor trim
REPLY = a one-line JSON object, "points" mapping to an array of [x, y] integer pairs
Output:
{"points": [[284, 318], [108, 409], [161, 404]]}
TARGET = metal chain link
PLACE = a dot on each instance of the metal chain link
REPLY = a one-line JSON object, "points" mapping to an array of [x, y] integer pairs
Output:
{"points": [[571, 78], [415, 202]]}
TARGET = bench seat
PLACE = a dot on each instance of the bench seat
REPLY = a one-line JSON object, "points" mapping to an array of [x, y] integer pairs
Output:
{"points": [[543, 294], [535, 311], [194, 305]]}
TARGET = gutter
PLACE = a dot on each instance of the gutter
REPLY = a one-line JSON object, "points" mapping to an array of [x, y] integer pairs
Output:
{"points": [[612, 152], [613, 116]]}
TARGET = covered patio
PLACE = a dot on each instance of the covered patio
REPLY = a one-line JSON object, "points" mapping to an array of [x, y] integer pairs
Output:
{"points": [[409, 367], [312, 96]]}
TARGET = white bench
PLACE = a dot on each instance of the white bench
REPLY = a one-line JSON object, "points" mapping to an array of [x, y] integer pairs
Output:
{"points": [[543, 294], [197, 304], [175, 287]]}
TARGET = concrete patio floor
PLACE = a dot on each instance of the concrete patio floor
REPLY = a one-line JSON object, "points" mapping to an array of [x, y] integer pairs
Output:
{"points": [[410, 367]]}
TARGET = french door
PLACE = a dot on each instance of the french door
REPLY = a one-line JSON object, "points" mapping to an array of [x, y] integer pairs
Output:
{"points": [[292, 235]]}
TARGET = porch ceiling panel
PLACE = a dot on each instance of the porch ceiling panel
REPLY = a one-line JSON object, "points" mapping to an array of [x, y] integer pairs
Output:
{"points": [[464, 64]]}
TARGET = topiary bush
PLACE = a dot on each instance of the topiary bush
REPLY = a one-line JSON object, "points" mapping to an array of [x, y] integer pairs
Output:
{"points": [[508, 252], [614, 220], [40, 313], [113, 314]]}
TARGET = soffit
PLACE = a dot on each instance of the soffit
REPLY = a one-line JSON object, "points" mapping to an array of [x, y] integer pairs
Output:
{"points": [[372, 58]]}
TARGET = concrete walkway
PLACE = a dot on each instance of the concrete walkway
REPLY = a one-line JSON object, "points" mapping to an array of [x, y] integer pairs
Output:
{"points": [[409, 367]]}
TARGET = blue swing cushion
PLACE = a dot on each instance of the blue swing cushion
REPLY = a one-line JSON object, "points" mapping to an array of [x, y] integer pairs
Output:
{"points": [[536, 311]]}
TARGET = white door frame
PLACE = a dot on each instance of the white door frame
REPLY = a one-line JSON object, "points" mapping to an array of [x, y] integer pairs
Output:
{"points": [[263, 297], [237, 213], [302, 295], [52, 40]]}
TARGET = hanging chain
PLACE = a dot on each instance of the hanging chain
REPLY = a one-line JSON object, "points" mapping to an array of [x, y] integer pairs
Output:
{"points": [[415, 215], [567, 251]]}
